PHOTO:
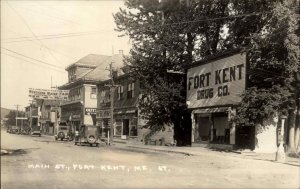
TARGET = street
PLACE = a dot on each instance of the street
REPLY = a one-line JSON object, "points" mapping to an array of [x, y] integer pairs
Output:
{"points": [[41, 162]]}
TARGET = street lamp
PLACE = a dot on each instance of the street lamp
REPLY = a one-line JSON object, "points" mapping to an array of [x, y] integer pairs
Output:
{"points": [[280, 155]]}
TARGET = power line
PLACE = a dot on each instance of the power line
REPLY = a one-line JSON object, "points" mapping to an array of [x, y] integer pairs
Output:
{"points": [[50, 35], [36, 43], [213, 19], [32, 58], [30, 61], [29, 28], [55, 37], [57, 18]]}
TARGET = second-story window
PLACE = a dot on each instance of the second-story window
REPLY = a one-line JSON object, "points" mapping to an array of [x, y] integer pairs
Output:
{"points": [[104, 96], [130, 90], [94, 92], [120, 92]]}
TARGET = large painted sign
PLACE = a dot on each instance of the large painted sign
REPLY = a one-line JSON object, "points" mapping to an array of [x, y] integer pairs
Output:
{"points": [[48, 94], [220, 82]]}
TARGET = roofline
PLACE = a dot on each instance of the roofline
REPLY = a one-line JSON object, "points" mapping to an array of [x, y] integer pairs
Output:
{"points": [[116, 78], [79, 65], [216, 57], [77, 83]]}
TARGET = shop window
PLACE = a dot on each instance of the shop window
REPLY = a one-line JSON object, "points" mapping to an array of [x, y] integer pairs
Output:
{"points": [[120, 92], [118, 128], [130, 90], [202, 129], [221, 129], [94, 92], [125, 127], [133, 127]]}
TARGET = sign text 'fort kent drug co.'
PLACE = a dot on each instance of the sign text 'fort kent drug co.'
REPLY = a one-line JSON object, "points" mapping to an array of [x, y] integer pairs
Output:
{"points": [[218, 82]]}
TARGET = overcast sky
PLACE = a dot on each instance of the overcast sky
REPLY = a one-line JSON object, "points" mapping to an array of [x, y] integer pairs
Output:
{"points": [[40, 38]]}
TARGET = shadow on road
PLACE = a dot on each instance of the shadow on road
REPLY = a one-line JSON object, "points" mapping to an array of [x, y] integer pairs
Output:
{"points": [[16, 152]]}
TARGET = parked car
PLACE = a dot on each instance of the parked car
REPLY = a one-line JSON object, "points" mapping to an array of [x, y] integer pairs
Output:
{"points": [[36, 131], [88, 134], [35, 128], [63, 132], [14, 129]]}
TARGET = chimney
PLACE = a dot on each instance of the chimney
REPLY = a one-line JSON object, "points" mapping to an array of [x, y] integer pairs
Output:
{"points": [[121, 52]]}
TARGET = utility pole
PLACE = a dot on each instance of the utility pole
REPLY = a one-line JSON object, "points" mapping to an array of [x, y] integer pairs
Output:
{"points": [[17, 113], [112, 92]]}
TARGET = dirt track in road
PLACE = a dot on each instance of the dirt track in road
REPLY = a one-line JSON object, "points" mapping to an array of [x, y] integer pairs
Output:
{"points": [[41, 166]]}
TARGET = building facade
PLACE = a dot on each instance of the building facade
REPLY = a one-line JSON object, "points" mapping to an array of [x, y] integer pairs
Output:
{"points": [[214, 89], [49, 119], [80, 108], [128, 123]]}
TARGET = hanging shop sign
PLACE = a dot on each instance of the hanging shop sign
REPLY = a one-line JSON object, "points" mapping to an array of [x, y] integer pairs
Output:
{"points": [[48, 94], [220, 82], [90, 111]]}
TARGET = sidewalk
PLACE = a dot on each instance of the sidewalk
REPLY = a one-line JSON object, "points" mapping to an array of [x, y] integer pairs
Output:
{"points": [[200, 151]]}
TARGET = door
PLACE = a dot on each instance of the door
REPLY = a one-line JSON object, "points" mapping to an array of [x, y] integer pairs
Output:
{"points": [[202, 129], [125, 127]]}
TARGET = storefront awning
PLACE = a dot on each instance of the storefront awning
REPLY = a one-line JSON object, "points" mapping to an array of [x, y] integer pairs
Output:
{"points": [[210, 110]]}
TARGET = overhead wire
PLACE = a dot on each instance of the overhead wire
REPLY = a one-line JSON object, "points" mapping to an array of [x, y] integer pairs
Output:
{"points": [[36, 43], [31, 62], [20, 54], [29, 28], [49, 35]]}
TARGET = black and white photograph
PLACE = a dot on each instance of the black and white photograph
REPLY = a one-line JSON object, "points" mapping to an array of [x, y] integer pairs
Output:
{"points": [[149, 94]]}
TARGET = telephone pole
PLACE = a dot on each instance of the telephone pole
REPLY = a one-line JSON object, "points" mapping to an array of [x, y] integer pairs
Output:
{"points": [[112, 94], [17, 113]]}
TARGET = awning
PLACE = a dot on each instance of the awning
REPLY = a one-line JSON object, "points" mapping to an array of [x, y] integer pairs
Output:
{"points": [[126, 111], [210, 110]]}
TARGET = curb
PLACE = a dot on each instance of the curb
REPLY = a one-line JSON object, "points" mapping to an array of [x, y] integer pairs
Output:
{"points": [[159, 150]]}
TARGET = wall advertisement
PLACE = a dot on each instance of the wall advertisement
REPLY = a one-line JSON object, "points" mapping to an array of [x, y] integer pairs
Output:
{"points": [[217, 83], [48, 94]]}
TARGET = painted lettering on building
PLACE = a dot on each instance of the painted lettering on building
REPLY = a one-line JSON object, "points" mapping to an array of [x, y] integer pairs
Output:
{"points": [[219, 82]]}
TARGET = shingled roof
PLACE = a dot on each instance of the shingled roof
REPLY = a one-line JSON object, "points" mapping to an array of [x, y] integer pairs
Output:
{"points": [[91, 60], [101, 73]]}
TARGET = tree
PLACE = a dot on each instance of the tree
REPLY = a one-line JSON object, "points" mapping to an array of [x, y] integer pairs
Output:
{"points": [[170, 35], [166, 36], [274, 64], [11, 117]]}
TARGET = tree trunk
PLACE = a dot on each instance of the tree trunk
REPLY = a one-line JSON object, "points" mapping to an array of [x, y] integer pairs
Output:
{"points": [[292, 124], [297, 132]]}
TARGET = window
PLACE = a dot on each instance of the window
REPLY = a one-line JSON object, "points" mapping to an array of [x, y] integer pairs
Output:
{"points": [[130, 90], [120, 92], [75, 94], [105, 96], [118, 127], [94, 92], [72, 75], [133, 127]]}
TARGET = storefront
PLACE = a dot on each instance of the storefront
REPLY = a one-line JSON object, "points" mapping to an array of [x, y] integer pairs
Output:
{"points": [[72, 113], [214, 90], [126, 123]]}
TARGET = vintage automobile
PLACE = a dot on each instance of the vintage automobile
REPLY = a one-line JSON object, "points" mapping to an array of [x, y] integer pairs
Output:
{"points": [[35, 128], [63, 132], [88, 134], [12, 129]]}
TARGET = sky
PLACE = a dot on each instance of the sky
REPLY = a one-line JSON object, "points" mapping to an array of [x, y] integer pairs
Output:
{"points": [[40, 38]]}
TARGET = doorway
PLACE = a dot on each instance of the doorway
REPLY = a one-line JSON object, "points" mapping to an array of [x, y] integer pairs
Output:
{"points": [[125, 130]]}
